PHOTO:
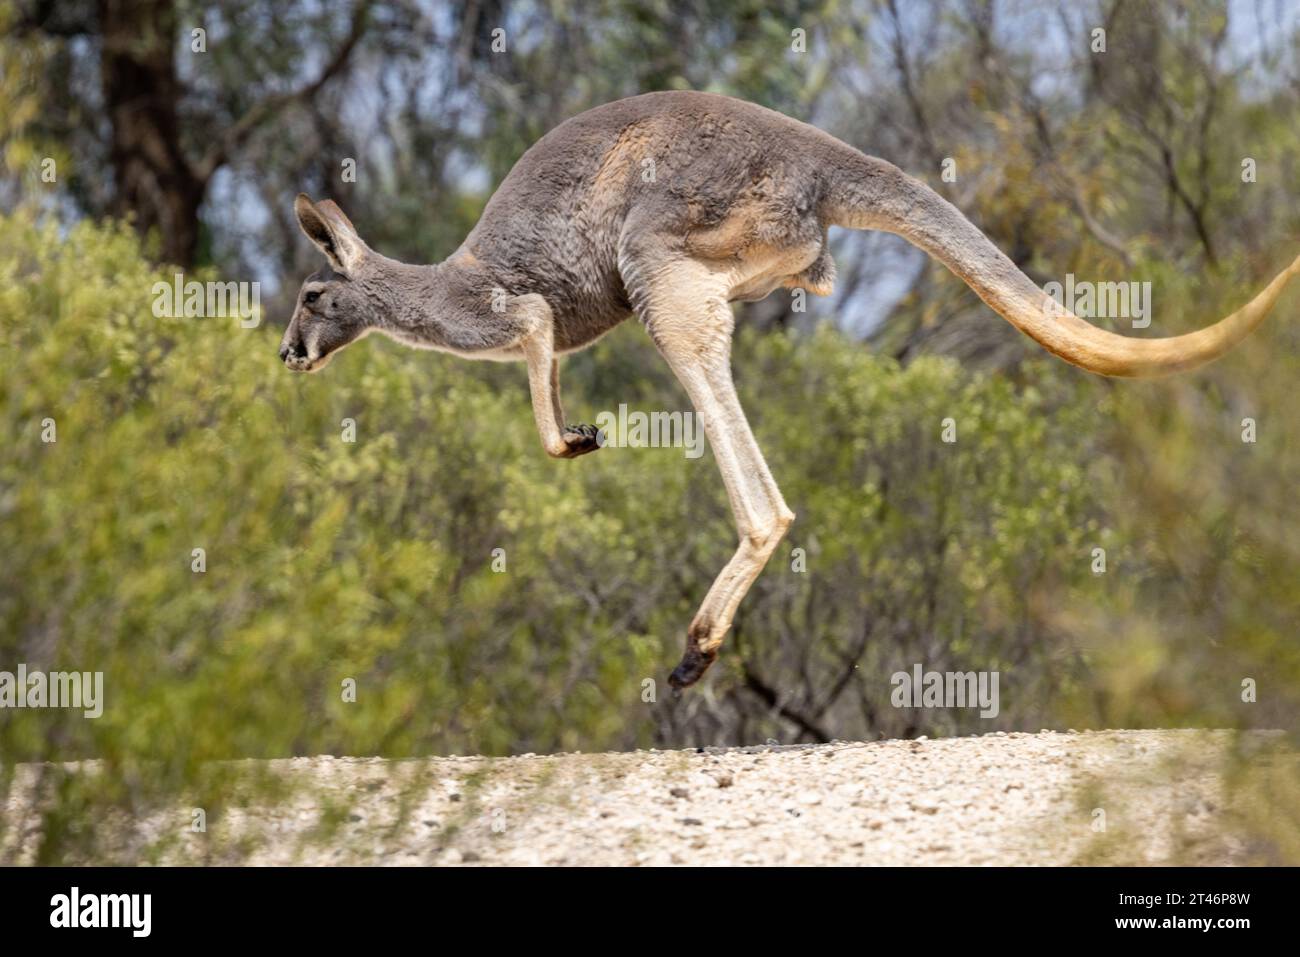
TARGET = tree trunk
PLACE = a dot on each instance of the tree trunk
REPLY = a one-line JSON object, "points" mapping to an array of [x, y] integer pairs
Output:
{"points": [[154, 179]]}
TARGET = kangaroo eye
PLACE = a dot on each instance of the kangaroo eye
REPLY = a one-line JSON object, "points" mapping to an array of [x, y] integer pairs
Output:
{"points": [[311, 297]]}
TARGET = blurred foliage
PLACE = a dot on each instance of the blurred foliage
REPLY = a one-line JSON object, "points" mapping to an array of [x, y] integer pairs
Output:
{"points": [[372, 560], [327, 559]]}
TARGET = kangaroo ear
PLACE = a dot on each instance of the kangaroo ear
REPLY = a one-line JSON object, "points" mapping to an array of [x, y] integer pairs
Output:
{"points": [[334, 234], [331, 210]]}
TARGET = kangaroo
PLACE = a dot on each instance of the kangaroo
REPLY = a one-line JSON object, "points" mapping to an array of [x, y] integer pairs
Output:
{"points": [[669, 206]]}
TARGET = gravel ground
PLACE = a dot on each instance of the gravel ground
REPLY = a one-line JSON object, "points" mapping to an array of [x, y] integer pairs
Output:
{"points": [[994, 799]]}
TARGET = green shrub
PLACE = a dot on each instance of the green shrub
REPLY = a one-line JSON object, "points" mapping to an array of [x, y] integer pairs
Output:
{"points": [[372, 561]]}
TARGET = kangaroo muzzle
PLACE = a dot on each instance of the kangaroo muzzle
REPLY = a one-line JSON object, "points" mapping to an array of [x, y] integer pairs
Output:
{"points": [[294, 355]]}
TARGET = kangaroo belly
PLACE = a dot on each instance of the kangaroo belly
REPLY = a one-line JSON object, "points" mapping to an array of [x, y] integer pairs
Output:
{"points": [[574, 332]]}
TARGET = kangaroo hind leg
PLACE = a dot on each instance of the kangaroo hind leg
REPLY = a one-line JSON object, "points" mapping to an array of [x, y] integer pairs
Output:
{"points": [[689, 320]]}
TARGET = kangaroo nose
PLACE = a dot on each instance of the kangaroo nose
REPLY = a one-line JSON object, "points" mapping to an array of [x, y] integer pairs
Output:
{"points": [[284, 353]]}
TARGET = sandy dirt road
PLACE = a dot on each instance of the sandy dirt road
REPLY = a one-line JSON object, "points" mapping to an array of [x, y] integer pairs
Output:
{"points": [[1110, 797]]}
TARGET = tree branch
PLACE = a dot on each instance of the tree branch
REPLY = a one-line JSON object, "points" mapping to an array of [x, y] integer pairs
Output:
{"points": [[770, 697], [910, 93], [239, 132]]}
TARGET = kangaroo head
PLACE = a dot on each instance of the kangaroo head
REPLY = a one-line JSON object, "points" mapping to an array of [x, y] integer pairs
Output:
{"points": [[337, 304]]}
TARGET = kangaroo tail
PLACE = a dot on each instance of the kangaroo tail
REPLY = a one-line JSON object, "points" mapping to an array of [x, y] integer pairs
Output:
{"points": [[874, 194]]}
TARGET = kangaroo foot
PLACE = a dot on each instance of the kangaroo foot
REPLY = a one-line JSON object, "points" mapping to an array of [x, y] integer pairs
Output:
{"points": [[692, 667], [582, 439]]}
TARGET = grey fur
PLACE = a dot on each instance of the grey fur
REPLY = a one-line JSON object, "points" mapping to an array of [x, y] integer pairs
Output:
{"points": [[668, 206], [568, 222]]}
